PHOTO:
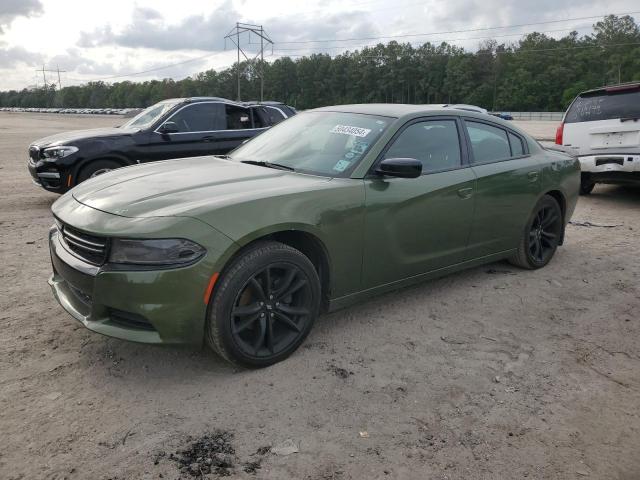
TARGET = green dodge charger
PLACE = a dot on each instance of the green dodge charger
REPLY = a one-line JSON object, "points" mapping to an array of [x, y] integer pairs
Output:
{"points": [[330, 207]]}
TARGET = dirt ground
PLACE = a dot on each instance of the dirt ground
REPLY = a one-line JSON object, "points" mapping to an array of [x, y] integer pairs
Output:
{"points": [[493, 373]]}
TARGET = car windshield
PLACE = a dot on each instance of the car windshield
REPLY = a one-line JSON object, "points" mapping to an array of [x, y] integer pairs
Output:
{"points": [[149, 115], [319, 143]]}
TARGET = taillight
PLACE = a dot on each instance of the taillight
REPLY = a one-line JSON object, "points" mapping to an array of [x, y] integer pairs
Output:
{"points": [[559, 133]]}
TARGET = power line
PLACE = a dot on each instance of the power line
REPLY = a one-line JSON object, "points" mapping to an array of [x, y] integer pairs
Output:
{"points": [[155, 69], [505, 52], [490, 37], [450, 31]]}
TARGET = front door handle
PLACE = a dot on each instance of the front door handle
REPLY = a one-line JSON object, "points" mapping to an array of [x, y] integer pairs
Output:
{"points": [[532, 176], [465, 192]]}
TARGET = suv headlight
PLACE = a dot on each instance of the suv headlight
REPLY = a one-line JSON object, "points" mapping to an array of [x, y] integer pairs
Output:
{"points": [[59, 151], [155, 252]]}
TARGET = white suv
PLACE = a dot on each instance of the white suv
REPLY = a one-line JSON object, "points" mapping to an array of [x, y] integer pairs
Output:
{"points": [[602, 127]]}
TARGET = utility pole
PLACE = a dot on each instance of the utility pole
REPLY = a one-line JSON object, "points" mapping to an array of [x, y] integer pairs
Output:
{"points": [[234, 37], [261, 63]]}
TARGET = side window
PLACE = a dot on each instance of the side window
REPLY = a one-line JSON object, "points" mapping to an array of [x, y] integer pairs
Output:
{"points": [[488, 143], [274, 115], [199, 117], [517, 148], [238, 118], [435, 143]]}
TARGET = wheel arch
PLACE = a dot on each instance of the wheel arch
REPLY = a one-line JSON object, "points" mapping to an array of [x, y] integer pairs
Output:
{"points": [[121, 159], [300, 238]]}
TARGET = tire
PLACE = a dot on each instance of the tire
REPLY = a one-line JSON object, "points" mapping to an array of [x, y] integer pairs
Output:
{"points": [[264, 305], [586, 187], [95, 168], [541, 235]]}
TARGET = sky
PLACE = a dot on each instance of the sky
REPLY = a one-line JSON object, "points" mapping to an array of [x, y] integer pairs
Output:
{"points": [[115, 40]]}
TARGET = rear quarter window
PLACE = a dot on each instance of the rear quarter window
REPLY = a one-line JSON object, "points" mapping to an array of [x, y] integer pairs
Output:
{"points": [[604, 106]]}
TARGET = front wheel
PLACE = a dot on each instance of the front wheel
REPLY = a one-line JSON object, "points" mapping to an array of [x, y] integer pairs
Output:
{"points": [[541, 236], [264, 305], [95, 168]]}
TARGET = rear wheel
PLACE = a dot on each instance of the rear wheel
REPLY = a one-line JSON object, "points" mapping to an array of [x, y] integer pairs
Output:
{"points": [[586, 187], [95, 168], [541, 235], [264, 305]]}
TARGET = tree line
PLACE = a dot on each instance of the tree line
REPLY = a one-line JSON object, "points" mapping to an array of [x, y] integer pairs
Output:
{"points": [[537, 73]]}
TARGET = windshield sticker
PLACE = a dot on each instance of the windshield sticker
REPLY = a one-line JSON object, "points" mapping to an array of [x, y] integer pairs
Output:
{"points": [[342, 165], [359, 147], [347, 130]]}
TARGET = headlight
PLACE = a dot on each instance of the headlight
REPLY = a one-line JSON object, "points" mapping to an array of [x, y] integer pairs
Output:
{"points": [[165, 251], [59, 152]]}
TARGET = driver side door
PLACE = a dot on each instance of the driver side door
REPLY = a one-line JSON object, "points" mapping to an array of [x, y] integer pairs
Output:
{"points": [[198, 124], [418, 225]]}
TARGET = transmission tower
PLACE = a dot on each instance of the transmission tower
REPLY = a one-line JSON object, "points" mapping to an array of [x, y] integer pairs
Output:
{"points": [[234, 37], [44, 77]]}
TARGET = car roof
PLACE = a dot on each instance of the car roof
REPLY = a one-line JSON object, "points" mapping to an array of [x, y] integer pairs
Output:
{"points": [[220, 99], [407, 112], [397, 109], [614, 88]]}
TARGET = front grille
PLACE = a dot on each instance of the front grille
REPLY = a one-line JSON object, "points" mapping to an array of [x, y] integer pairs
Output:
{"points": [[90, 248], [34, 153]]}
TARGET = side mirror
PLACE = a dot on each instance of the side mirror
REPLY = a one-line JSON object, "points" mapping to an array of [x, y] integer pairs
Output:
{"points": [[400, 167], [169, 127]]}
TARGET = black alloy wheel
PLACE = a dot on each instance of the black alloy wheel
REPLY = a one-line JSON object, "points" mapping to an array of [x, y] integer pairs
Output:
{"points": [[544, 234], [272, 310], [264, 305], [541, 236]]}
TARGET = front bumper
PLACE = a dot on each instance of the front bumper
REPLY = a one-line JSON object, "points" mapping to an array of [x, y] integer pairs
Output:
{"points": [[48, 176], [151, 306]]}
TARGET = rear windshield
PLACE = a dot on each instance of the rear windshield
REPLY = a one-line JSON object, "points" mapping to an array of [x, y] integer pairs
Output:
{"points": [[590, 107]]}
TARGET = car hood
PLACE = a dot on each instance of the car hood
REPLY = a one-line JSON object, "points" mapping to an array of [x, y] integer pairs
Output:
{"points": [[76, 135], [186, 187]]}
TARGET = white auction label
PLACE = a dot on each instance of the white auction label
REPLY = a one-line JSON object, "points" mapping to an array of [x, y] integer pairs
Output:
{"points": [[347, 130]]}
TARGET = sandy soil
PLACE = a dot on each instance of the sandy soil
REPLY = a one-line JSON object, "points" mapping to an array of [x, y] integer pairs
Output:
{"points": [[494, 373]]}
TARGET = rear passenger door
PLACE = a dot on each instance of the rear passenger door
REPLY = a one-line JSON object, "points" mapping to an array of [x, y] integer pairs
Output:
{"points": [[507, 186], [241, 123], [417, 225]]}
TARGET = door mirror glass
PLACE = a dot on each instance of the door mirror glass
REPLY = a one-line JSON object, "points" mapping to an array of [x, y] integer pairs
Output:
{"points": [[169, 127], [400, 167]]}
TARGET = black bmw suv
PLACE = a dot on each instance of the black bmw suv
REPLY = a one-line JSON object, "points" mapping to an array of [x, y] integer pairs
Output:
{"points": [[175, 128]]}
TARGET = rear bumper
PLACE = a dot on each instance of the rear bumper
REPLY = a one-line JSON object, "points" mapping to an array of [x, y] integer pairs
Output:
{"points": [[607, 163], [157, 307], [616, 178]]}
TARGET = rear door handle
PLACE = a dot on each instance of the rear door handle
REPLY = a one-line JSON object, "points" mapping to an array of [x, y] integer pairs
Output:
{"points": [[532, 176], [465, 192]]}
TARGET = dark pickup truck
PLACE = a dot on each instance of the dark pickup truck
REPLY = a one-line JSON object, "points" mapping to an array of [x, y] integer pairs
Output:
{"points": [[175, 128]]}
